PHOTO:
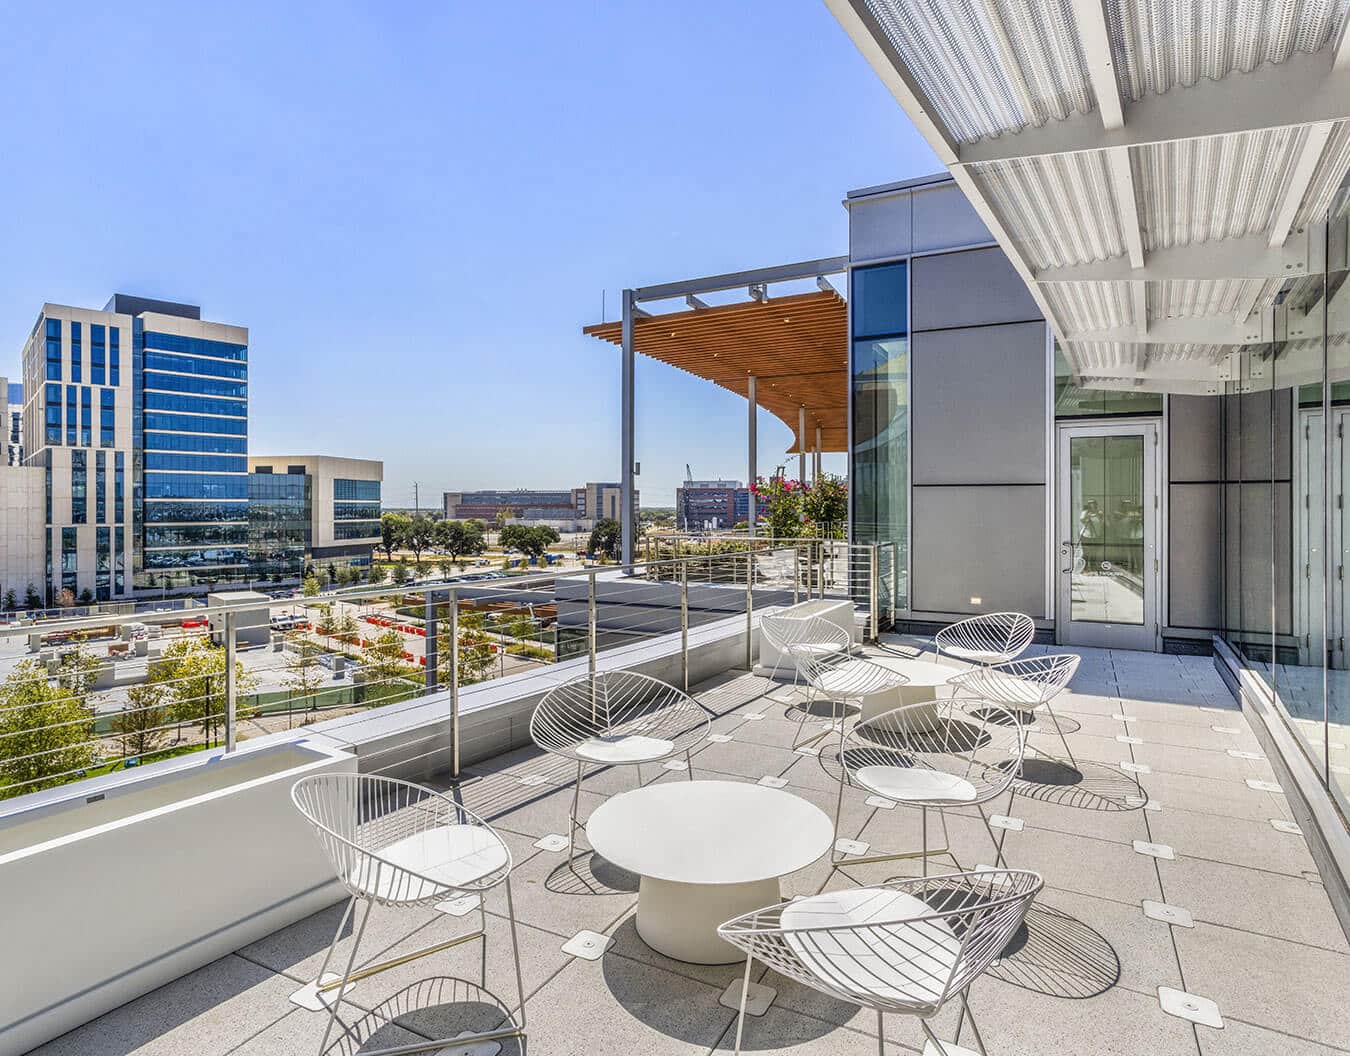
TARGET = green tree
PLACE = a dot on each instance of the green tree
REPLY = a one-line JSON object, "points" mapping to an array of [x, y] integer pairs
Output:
{"points": [[521, 626], [401, 573], [45, 731], [11, 600], [783, 505], [304, 672], [77, 671], [86, 597], [193, 672], [141, 724], [421, 532], [31, 598], [532, 540], [825, 504], [378, 573], [606, 539], [310, 587], [459, 538], [394, 528]]}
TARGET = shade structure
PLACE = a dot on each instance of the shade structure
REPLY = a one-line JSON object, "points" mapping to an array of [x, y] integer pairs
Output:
{"points": [[797, 347], [1156, 173]]}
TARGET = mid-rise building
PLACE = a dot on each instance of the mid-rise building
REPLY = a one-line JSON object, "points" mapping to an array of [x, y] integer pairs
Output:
{"points": [[568, 511], [312, 512], [712, 505]]}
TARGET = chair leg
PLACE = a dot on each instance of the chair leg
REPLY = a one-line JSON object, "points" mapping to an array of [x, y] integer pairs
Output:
{"points": [[342, 986], [923, 823], [688, 764], [515, 951], [327, 957], [998, 844], [745, 996], [881, 1034], [974, 1027], [937, 1042], [572, 821], [1062, 739]]}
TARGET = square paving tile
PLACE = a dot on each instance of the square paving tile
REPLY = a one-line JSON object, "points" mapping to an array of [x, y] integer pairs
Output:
{"points": [[1282, 986]]}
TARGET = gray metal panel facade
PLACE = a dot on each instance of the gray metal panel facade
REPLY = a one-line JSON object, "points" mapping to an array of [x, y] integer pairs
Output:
{"points": [[879, 227], [1195, 559], [944, 217], [973, 288], [978, 403], [979, 542]]}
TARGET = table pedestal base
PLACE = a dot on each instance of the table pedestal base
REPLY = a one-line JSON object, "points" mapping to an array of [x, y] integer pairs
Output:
{"points": [[680, 920]]}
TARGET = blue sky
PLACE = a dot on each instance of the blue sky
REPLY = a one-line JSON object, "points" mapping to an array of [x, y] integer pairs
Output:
{"points": [[415, 207]]}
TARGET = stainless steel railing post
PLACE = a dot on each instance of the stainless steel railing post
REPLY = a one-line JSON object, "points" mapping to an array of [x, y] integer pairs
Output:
{"points": [[796, 575], [454, 682], [231, 689], [749, 609], [684, 624], [590, 625], [874, 552], [895, 578]]}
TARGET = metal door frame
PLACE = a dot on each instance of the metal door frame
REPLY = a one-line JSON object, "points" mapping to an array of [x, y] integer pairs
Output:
{"points": [[1148, 635]]}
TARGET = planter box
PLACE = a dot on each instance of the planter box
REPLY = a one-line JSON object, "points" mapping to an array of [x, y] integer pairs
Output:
{"points": [[838, 612], [116, 886]]}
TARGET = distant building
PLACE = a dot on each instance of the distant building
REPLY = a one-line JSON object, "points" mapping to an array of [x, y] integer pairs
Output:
{"points": [[568, 511], [712, 505], [312, 511], [13, 421]]}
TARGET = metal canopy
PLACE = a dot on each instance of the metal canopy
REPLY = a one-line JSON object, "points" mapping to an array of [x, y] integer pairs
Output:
{"points": [[1157, 173]]}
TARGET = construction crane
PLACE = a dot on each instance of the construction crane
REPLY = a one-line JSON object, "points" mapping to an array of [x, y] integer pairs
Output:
{"points": [[688, 474]]}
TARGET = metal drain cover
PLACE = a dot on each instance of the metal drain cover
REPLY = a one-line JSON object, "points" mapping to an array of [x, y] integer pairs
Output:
{"points": [[1168, 914], [588, 945], [1190, 1006], [758, 997]]}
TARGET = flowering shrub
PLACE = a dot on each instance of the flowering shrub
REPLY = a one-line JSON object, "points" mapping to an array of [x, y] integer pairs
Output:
{"points": [[793, 508]]}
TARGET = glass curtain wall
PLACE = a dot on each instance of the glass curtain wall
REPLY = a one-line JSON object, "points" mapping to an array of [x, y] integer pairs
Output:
{"points": [[879, 470], [1286, 518]]}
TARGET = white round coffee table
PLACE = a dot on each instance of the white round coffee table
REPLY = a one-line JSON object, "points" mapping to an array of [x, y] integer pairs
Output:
{"points": [[706, 851], [927, 682]]}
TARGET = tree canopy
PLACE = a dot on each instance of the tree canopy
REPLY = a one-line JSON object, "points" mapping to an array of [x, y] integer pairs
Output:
{"points": [[606, 539], [532, 540]]}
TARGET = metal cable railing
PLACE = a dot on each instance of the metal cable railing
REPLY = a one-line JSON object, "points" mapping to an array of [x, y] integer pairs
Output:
{"points": [[86, 696]]}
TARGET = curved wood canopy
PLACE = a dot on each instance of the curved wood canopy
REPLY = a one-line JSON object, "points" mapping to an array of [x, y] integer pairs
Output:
{"points": [[796, 346]]}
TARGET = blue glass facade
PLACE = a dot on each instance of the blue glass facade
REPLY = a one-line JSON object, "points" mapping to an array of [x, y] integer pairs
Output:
{"points": [[191, 459], [279, 526]]}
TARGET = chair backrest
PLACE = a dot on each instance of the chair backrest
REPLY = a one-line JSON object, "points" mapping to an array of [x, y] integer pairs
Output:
{"points": [[992, 638], [903, 946], [1022, 683], [612, 702], [975, 740], [845, 677], [357, 816], [787, 632]]}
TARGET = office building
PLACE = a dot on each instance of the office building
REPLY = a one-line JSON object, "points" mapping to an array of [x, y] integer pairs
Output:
{"points": [[13, 421], [712, 505], [568, 511], [315, 513]]}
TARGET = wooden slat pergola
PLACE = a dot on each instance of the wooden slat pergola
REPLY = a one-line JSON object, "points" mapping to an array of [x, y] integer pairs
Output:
{"points": [[796, 347]]}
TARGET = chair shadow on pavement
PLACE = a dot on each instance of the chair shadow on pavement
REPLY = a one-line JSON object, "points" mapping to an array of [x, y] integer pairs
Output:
{"points": [[590, 874]]}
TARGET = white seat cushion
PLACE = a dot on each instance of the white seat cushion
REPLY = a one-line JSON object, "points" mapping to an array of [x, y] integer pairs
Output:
{"points": [[975, 656], [630, 748], [916, 784], [893, 959], [455, 856]]}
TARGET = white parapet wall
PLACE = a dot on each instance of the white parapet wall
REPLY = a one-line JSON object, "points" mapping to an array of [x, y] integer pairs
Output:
{"points": [[114, 887]]}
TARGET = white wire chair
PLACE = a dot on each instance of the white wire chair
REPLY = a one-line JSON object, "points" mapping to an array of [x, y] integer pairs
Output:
{"points": [[616, 718], [397, 844], [940, 755], [990, 639], [843, 680], [905, 947], [797, 636], [1023, 686]]}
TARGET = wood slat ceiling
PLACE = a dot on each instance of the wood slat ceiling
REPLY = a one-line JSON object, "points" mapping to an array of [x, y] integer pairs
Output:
{"points": [[796, 346]]}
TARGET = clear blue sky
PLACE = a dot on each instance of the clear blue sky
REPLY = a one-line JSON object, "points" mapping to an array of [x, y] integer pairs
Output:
{"points": [[415, 207]]}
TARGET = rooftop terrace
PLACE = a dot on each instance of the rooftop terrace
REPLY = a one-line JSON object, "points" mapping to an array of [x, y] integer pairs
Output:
{"points": [[1255, 932]]}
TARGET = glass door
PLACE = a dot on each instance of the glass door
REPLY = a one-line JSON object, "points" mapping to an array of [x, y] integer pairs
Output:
{"points": [[1108, 518]]}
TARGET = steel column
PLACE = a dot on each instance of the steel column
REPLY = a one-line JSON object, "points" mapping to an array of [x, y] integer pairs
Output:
{"points": [[432, 622], [752, 446], [684, 624], [454, 681], [627, 450], [801, 446]]}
